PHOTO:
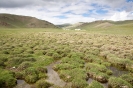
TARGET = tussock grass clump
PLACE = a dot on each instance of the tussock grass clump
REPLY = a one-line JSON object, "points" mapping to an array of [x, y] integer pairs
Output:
{"points": [[39, 52], [19, 75], [41, 69], [79, 83], [109, 72], [43, 61], [41, 72], [107, 64], [77, 76], [6, 52], [33, 74], [118, 83], [93, 58], [99, 76], [44, 52], [24, 65], [56, 56], [60, 51], [64, 66], [31, 78], [42, 84], [71, 70], [15, 61], [7, 79], [2, 61], [69, 75], [93, 51], [29, 51], [119, 62], [2, 64], [99, 67], [70, 63], [97, 72], [95, 84], [49, 53], [129, 66], [127, 78]]}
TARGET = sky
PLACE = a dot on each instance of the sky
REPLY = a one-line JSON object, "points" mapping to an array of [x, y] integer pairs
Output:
{"points": [[70, 11]]}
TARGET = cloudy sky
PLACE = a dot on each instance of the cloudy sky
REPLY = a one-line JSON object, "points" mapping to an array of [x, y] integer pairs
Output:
{"points": [[70, 11]]}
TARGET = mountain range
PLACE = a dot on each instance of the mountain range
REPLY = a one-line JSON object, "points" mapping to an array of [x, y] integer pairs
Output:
{"points": [[18, 21], [102, 24]]}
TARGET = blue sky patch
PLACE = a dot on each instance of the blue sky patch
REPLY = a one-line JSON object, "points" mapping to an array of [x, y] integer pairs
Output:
{"points": [[100, 11], [129, 0], [86, 14]]}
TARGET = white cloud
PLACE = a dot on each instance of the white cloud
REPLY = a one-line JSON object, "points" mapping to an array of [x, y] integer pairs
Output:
{"points": [[73, 10], [121, 16]]}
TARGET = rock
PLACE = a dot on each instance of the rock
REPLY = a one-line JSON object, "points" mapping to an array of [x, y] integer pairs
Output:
{"points": [[101, 79], [14, 67]]}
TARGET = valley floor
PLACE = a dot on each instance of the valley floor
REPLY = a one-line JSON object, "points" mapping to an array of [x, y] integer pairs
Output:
{"points": [[78, 59]]}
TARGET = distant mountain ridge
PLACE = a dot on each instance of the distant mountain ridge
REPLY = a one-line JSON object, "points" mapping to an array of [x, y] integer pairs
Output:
{"points": [[102, 24], [64, 25], [74, 25], [18, 21]]}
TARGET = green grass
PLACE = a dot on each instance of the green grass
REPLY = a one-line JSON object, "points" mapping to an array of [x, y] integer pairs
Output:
{"points": [[42, 84], [95, 84], [7, 79], [118, 82], [128, 78], [82, 54], [117, 28]]}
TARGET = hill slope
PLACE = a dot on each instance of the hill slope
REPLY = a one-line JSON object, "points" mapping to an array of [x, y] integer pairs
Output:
{"points": [[17, 21], [105, 25]]}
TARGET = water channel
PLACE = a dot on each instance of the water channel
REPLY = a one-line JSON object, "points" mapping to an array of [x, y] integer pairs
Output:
{"points": [[54, 78]]}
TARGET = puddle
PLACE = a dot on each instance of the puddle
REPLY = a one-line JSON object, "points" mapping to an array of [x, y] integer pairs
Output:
{"points": [[105, 85], [89, 80], [53, 76], [22, 84], [117, 72]]}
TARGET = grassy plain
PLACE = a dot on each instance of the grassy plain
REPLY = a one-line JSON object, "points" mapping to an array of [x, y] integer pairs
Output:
{"points": [[25, 53]]}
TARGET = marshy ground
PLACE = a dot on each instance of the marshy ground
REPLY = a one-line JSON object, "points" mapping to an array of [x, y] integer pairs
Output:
{"points": [[65, 59]]}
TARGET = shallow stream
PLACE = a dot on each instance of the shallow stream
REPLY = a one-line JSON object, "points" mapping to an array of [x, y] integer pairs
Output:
{"points": [[22, 84], [54, 78]]}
